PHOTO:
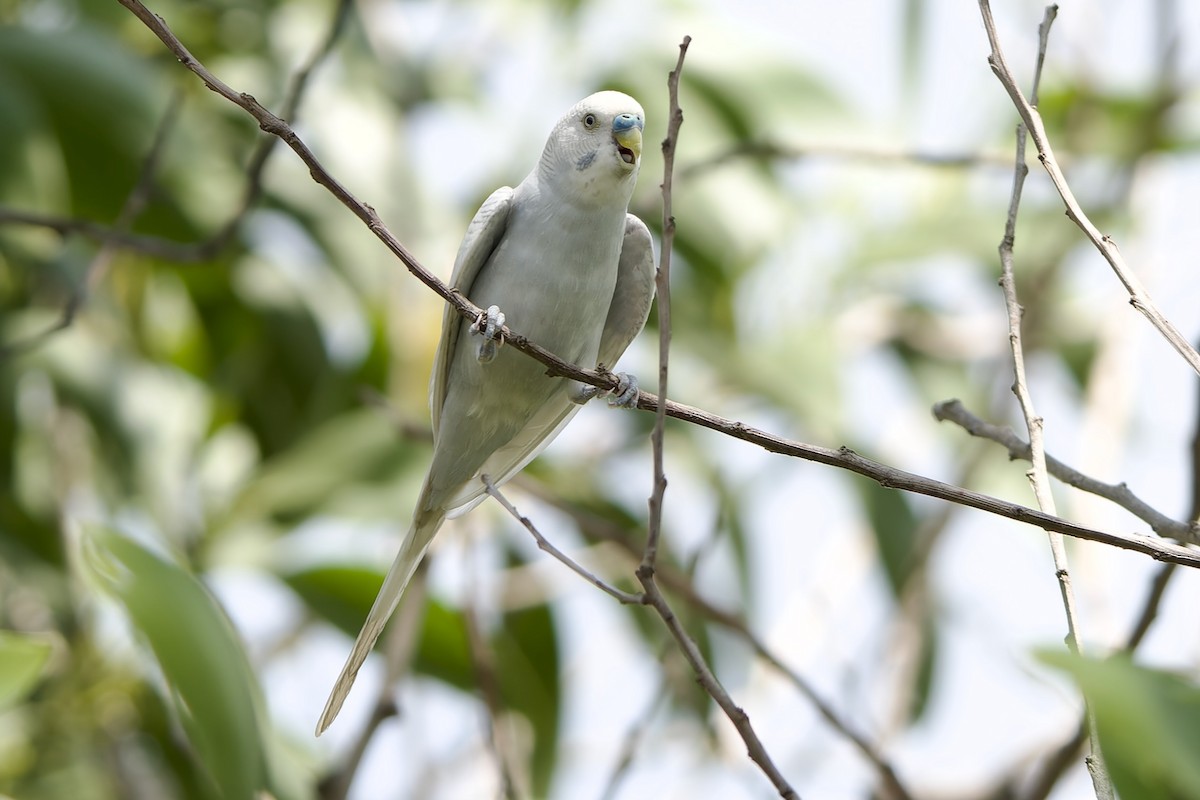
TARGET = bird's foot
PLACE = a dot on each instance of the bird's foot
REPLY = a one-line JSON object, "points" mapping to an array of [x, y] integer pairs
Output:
{"points": [[624, 396], [488, 325]]}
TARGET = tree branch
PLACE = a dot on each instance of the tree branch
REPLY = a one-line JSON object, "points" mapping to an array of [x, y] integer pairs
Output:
{"points": [[1034, 424], [1119, 493], [1138, 297], [625, 598], [708, 681], [662, 285]]}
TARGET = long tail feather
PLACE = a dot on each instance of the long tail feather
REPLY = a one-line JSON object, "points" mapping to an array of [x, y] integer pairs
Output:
{"points": [[414, 546]]}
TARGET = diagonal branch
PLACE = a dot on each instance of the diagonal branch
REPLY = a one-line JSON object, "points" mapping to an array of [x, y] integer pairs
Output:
{"points": [[705, 677], [1119, 493], [625, 598], [1138, 297]]}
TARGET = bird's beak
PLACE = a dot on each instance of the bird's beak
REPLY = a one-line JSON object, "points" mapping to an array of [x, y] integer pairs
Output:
{"points": [[627, 133]]}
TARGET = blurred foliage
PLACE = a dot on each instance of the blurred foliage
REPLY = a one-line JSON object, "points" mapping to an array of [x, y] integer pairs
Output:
{"points": [[1149, 724], [217, 410]]}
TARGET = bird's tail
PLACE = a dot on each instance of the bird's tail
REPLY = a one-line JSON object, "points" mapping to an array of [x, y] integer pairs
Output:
{"points": [[415, 543]]}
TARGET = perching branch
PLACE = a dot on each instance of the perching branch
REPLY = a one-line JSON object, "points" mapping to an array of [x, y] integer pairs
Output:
{"points": [[1138, 296]]}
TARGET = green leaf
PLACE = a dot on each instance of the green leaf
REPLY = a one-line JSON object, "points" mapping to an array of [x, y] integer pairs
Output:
{"points": [[22, 661], [1148, 721], [527, 663], [894, 524], [444, 650], [342, 594], [199, 654]]}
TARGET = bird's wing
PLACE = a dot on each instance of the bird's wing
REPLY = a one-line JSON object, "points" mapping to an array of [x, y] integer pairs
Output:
{"points": [[627, 314], [634, 293], [482, 236]]}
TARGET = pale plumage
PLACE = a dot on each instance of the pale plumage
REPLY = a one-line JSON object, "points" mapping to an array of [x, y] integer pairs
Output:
{"points": [[570, 269]]}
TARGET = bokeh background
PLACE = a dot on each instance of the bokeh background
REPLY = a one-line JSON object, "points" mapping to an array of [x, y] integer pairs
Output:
{"points": [[204, 475]]}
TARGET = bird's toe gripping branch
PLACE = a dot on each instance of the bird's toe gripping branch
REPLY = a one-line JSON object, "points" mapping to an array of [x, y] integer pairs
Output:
{"points": [[488, 325], [625, 395]]}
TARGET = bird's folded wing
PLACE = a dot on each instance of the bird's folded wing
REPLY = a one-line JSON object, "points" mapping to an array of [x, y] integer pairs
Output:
{"points": [[633, 295], [482, 236]]}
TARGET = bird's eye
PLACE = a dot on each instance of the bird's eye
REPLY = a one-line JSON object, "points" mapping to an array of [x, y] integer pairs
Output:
{"points": [[589, 121]]}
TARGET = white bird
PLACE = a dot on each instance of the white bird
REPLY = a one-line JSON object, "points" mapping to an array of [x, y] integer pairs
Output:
{"points": [[561, 259]]}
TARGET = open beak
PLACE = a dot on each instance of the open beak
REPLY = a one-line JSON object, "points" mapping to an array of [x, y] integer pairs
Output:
{"points": [[628, 139]]}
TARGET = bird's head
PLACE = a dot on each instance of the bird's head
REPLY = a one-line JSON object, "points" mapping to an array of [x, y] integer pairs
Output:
{"points": [[597, 145]]}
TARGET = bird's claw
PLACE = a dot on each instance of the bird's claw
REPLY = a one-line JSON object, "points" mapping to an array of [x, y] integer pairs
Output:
{"points": [[624, 396], [488, 325]]}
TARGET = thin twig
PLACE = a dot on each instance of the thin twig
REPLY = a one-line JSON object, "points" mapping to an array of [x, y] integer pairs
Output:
{"points": [[258, 160], [652, 596], [679, 584], [708, 681], [625, 598], [1138, 297], [1034, 424], [1018, 448], [662, 285]]}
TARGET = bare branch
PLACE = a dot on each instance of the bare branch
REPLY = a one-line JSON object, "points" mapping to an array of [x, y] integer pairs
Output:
{"points": [[678, 583], [708, 681], [662, 285], [1034, 424], [1138, 297], [184, 252], [1119, 493], [544, 544]]}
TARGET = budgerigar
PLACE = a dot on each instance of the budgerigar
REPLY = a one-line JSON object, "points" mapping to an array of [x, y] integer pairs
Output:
{"points": [[560, 259]]}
